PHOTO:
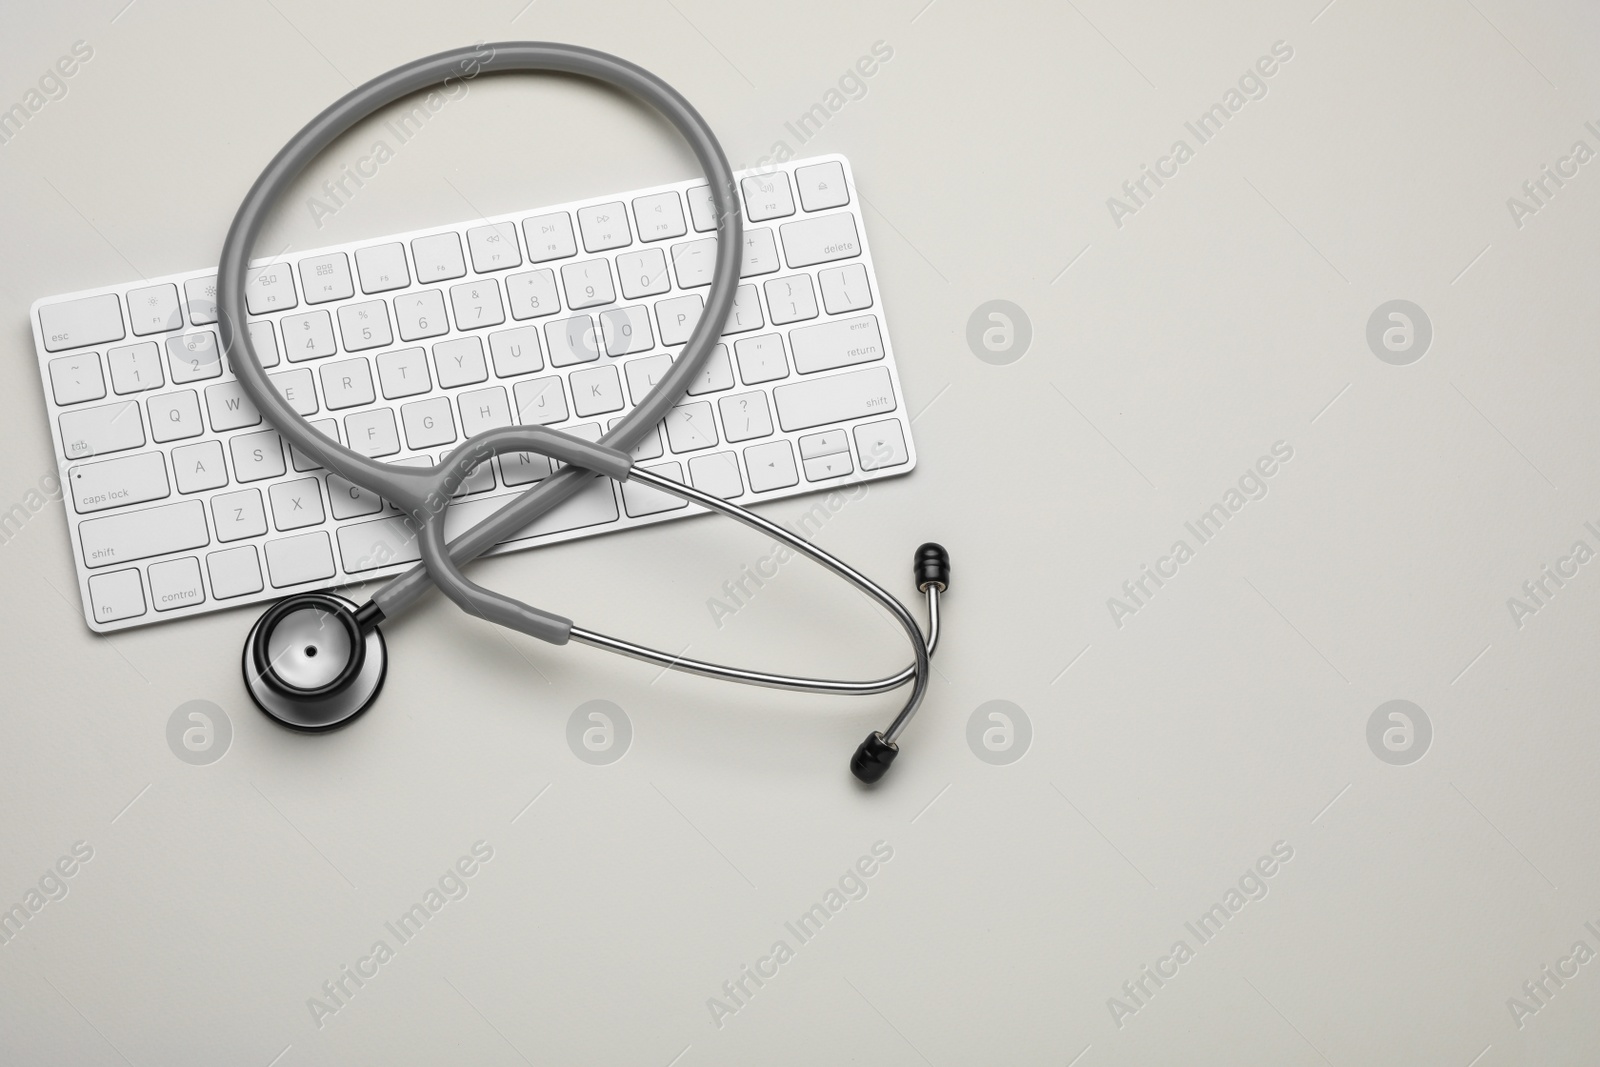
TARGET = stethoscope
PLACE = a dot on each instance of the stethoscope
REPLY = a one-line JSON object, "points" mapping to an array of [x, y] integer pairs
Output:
{"points": [[315, 661]]}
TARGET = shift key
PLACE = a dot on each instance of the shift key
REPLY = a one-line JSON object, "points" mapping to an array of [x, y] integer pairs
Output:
{"points": [[139, 534], [835, 398]]}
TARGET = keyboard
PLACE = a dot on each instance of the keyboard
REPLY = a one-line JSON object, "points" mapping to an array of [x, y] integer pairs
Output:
{"points": [[182, 500]]}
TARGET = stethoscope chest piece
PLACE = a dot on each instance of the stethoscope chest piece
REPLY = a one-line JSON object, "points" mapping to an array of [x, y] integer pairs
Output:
{"points": [[308, 665]]}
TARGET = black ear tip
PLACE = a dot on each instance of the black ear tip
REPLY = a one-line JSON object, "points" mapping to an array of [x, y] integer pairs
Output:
{"points": [[872, 759], [932, 567]]}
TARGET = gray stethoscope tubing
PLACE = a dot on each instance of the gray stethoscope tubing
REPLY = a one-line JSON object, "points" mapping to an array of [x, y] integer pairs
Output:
{"points": [[280, 666]]}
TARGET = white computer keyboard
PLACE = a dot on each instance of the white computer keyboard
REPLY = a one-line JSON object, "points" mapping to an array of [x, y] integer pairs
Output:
{"points": [[182, 500]]}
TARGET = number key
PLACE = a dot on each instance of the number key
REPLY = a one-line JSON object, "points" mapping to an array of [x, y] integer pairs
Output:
{"points": [[477, 304], [588, 283], [421, 314], [364, 325]]}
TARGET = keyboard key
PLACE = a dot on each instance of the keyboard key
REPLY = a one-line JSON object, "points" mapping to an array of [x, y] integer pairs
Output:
{"points": [[296, 504], [766, 196], [523, 468], [135, 368], [301, 462], [604, 227], [702, 211], [658, 216], [234, 572], [771, 466], [693, 262], [588, 507], [200, 294], [193, 357], [372, 433], [596, 391], [256, 455], [459, 361], [477, 304], [516, 351], [717, 474], [118, 595], [549, 237], [540, 401], [308, 336], [818, 401], [348, 500], [845, 288], [96, 431], [760, 252], [715, 373], [132, 535], [265, 342], [745, 416], [761, 358], [649, 446], [820, 240], [154, 309], [229, 408], [479, 479], [428, 422], [199, 466], [823, 467], [175, 583], [369, 545], [643, 374], [827, 443], [881, 444], [676, 317], [494, 247], [791, 299], [641, 499], [532, 294], [74, 379], [295, 387], [627, 330], [588, 283], [89, 320], [382, 267], [297, 560], [403, 373], [115, 483], [690, 427], [325, 278], [822, 186], [175, 416], [365, 325], [421, 315], [572, 341], [483, 409], [438, 258], [347, 383], [269, 288], [643, 273], [840, 343], [746, 313]]}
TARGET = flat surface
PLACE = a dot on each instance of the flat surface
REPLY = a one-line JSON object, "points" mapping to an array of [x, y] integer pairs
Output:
{"points": [[1208, 727]]}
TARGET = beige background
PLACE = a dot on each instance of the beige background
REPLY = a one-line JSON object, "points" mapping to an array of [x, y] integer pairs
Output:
{"points": [[1168, 755]]}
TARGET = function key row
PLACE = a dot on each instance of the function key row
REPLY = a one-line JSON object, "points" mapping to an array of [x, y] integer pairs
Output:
{"points": [[440, 257]]}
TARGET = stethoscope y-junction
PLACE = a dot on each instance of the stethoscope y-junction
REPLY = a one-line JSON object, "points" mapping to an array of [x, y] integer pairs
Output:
{"points": [[315, 661]]}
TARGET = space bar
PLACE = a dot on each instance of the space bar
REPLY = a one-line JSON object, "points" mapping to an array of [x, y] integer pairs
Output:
{"points": [[834, 399]]}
